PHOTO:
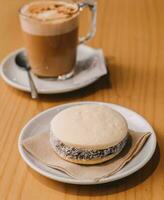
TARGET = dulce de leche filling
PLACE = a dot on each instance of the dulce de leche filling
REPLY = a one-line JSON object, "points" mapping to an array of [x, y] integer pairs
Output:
{"points": [[82, 154], [49, 17]]}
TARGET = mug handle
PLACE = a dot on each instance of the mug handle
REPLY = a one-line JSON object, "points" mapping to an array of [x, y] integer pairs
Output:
{"points": [[93, 8]]}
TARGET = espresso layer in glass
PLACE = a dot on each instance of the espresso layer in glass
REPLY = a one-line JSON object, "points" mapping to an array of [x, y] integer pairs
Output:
{"points": [[51, 55]]}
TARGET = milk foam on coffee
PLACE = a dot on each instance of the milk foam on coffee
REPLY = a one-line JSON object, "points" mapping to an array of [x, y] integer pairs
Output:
{"points": [[49, 17]]}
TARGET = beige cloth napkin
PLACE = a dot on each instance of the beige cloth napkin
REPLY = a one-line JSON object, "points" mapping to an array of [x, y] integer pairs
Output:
{"points": [[39, 147], [90, 68]]}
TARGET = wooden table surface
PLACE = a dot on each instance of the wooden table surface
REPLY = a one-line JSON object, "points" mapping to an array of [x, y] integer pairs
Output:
{"points": [[131, 33]]}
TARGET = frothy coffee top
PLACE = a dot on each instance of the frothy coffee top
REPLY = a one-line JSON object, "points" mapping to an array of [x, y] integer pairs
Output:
{"points": [[50, 10], [58, 16]]}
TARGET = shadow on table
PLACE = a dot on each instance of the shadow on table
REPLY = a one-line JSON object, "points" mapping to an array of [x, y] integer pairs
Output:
{"points": [[108, 188], [102, 83]]}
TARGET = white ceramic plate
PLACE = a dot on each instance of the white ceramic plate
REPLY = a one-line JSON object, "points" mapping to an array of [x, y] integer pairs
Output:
{"points": [[16, 77], [40, 123]]}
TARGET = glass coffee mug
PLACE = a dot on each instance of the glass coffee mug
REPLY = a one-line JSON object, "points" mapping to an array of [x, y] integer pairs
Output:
{"points": [[50, 31]]}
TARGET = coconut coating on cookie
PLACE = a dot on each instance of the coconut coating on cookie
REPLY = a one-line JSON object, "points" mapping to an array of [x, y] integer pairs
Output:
{"points": [[82, 154]]}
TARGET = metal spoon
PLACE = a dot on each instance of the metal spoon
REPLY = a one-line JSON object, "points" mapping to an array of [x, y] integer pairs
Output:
{"points": [[22, 62]]}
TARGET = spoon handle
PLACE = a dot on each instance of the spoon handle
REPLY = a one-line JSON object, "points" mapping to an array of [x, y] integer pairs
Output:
{"points": [[34, 93]]}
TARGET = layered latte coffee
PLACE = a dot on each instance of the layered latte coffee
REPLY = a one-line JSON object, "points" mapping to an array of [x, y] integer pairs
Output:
{"points": [[50, 30]]}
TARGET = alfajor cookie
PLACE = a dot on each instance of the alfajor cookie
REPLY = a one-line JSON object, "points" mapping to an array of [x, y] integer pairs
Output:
{"points": [[88, 134]]}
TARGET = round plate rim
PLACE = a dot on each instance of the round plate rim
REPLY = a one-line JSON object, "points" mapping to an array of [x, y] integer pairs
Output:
{"points": [[50, 91], [85, 182]]}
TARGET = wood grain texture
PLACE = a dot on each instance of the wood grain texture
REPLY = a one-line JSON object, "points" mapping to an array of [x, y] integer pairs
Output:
{"points": [[131, 33]]}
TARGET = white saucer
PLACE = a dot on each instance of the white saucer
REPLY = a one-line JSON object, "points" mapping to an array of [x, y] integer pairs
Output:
{"points": [[40, 123], [16, 77]]}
